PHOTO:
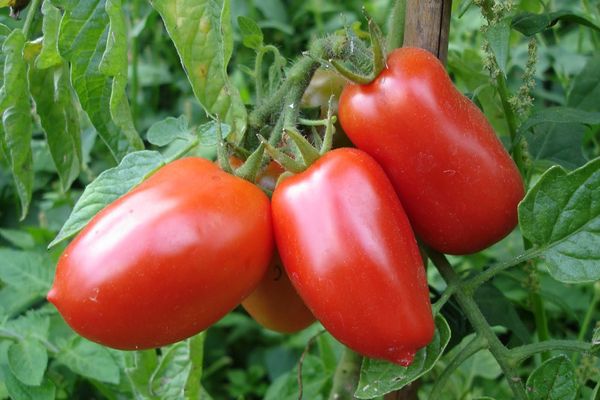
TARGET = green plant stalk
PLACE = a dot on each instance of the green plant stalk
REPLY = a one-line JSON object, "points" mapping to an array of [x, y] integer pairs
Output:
{"points": [[475, 345], [511, 121], [587, 320], [396, 22], [541, 319], [518, 354], [479, 323], [33, 9], [489, 273], [301, 71], [258, 69], [346, 376]]}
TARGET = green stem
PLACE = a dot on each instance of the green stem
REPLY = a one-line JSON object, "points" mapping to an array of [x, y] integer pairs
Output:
{"points": [[479, 323], [489, 273], [395, 36], [258, 69], [135, 8], [587, 320], [475, 345], [541, 320], [511, 120], [346, 376], [183, 150], [33, 8], [437, 306], [518, 354], [301, 71]]}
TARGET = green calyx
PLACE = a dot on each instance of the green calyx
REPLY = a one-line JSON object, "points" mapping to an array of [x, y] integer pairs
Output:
{"points": [[363, 66], [307, 152]]}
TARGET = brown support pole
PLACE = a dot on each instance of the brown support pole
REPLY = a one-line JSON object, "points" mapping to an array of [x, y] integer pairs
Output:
{"points": [[427, 25]]}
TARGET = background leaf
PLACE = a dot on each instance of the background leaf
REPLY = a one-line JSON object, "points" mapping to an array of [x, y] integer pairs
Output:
{"points": [[15, 109], [561, 216], [57, 107], [529, 23], [109, 186], [555, 379], [90, 360], [379, 377], [202, 33], [84, 34], [19, 391], [27, 360]]}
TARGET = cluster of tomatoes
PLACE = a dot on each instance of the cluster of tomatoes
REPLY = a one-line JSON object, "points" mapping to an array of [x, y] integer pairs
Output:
{"points": [[192, 242]]}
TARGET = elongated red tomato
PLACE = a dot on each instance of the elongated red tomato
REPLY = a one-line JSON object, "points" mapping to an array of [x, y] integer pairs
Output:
{"points": [[166, 260], [458, 185], [349, 250]]}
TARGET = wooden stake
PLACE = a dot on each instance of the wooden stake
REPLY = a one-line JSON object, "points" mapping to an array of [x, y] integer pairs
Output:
{"points": [[427, 25]]}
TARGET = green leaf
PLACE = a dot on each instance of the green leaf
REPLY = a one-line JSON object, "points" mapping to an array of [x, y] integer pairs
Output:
{"points": [[529, 23], [33, 324], [18, 238], [16, 128], [27, 360], [166, 131], [19, 391], [314, 382], [561, 216], [252, 36], [202, 33], [379, 377], [208, 136], [84, 41], [180, 364], [498, 36], [561, 115], [90, 360], [49, 55], [586, 87], [557, 143], [554, 380], [26, 271], [107, 187], [57, 107]]}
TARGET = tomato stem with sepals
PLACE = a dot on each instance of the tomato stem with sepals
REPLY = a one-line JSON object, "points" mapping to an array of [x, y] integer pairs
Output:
{"points": [[33, 9], [396, 22], [346, 376], [279, 156], [351, 75], [479, 323], [329, 129], [258, 69], [377, 46], [308, 152], [250, 167], [476, 344]]}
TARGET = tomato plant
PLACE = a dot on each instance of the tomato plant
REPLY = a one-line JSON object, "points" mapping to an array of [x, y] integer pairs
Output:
{"points": [[343, 236], [458, 184], [161, 263], [97, 96]]}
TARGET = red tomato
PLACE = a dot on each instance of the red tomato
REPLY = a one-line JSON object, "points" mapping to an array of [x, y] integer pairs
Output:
{"points": [[349, 250], [459, 186], [275, 304], [166, 260]]}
